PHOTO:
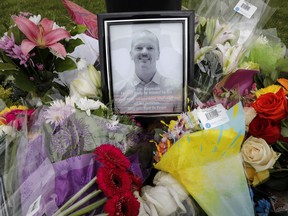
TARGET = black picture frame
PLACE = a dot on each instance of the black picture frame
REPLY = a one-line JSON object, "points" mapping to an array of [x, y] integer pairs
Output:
{"points": [[175, 33]]}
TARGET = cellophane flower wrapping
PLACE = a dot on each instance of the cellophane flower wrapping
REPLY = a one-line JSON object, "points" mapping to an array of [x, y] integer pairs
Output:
{"points": [[46, 165], [222, 38], [209, 165]]}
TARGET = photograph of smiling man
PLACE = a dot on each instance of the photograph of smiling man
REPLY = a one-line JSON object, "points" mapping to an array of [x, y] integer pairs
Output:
{"points": [[147, 89]]}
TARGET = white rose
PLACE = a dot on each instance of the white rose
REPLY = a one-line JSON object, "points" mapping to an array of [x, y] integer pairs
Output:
{"points": [[174, 187], [250, 114], [258, 154], [159, 198]]}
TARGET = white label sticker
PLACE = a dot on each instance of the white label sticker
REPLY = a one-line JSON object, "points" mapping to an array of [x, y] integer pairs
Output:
{"points": [[213, 116], [34, 207], [245, 8]]}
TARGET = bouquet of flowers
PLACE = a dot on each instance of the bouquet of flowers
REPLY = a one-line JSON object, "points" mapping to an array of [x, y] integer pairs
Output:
{"points": [[73, 155], [34, 50]]}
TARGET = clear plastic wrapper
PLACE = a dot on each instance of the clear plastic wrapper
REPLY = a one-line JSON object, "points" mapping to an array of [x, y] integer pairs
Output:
{"points": [[40, 175]]}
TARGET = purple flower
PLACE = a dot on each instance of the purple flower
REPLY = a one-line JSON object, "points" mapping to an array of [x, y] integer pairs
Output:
{"points": [[70, 137], [7, 44], [242, 80]]}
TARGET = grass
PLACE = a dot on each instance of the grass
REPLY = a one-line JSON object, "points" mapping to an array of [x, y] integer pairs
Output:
{"points": [[55, 10]]}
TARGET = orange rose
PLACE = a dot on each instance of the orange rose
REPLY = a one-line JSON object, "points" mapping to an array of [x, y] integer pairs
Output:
{"points": [[271, 106]]}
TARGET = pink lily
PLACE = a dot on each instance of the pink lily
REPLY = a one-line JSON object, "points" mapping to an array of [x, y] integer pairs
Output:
{"points": [[42, 35]]}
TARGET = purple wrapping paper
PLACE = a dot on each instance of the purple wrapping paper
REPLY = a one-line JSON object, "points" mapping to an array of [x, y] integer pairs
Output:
{"points": [[72, 175], [52, 183], [55, 183]]}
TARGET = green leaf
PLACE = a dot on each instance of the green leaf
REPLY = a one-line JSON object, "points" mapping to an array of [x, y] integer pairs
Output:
{"points": [[284, 132], [7, 67], [72, 44], [23, 82], [267, 81], [64, 65], [78, 30], [274, 75], [282, 65]]}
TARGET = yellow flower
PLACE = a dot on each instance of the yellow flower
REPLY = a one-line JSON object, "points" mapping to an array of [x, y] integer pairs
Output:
{"points": [[269, 89], [9, 109], [256, 178]]}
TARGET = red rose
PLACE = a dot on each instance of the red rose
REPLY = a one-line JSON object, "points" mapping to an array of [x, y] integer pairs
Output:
{"points": [[266, 129], [272, 106]]}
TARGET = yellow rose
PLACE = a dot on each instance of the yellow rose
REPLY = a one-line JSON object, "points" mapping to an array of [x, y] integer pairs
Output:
{"points": [[258, 154], [272, 88], [256, 178]]}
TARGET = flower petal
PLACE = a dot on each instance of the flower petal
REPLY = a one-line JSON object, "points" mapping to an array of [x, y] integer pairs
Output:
{"points": [[27, 27], [241, 80], [56, 35], [47, 24], [58, 49], [27, 46]]}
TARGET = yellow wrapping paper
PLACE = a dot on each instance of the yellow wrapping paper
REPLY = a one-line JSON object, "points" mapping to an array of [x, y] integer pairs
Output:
{"points": [[209, 165]]}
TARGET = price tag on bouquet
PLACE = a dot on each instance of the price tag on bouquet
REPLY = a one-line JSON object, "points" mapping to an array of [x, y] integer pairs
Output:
{"points": [[213, 116], [245, 8]]}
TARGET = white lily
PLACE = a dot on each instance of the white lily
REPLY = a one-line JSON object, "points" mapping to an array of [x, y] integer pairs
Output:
{"points": [[218, 33], [230, 56], [87, 83]]}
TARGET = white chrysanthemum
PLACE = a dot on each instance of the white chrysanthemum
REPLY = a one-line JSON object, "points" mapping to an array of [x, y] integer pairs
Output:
{"points": [[35, 19], [71, 100], [87, 105], [81, 64], [58, 112]]}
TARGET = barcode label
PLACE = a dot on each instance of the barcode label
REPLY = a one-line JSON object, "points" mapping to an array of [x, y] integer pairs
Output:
{"points": [[212, 115], [245, 8]]}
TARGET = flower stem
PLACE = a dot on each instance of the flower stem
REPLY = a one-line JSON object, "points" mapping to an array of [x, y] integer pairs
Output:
{"points": [[76, 196], [89, 208], [80, 202]]}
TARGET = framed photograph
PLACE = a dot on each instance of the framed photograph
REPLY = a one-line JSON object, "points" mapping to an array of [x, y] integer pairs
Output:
{"points": [[146, 60]]}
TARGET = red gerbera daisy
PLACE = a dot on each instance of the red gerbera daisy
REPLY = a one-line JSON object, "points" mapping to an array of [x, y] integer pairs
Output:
{"points": [[111, 156], [113, 181], [136, 182], [122, 205]]}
